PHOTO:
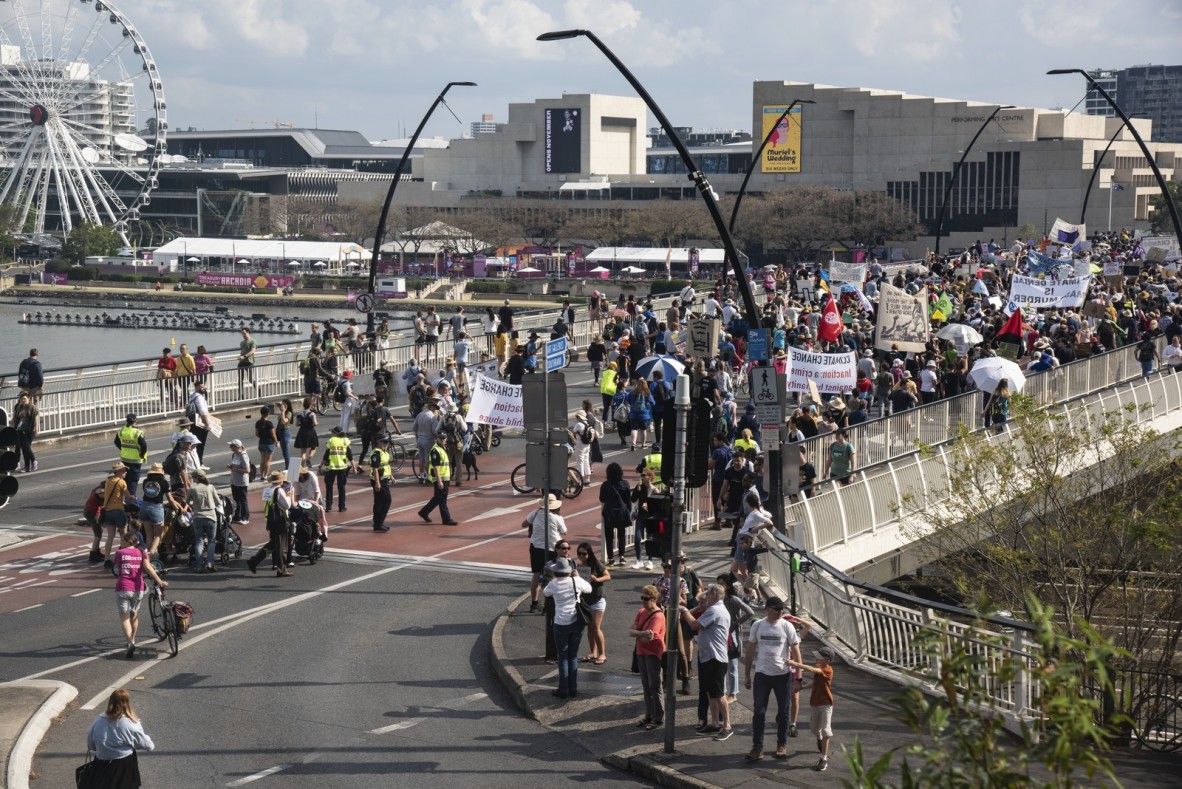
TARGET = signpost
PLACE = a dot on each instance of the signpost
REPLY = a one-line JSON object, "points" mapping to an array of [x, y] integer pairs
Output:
{"points": [[543, 450], [363, 303], [757, 345]]}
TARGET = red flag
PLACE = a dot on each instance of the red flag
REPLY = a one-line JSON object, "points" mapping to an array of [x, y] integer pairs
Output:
{"points": [[1013, 326], [831, 325]]}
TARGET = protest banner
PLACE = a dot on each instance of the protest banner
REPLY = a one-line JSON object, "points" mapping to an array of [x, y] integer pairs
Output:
{"points": [[703, 337], [489, 369], [902, 319], [831, 373], [1043, 293], [496, 403], [847, 272], [1095, 309]]}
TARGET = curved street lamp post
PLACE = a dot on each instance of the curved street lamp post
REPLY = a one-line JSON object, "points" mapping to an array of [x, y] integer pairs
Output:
{"points": [[956, 172], [1161, 181], [379, 234], [682, 400], [1096, 171]]}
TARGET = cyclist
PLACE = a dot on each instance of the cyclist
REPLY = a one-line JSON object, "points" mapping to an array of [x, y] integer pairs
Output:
{"points": [[314, 372], [131, 565]]}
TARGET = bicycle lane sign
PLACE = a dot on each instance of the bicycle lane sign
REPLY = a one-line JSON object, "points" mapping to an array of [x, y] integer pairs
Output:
{"points": [[767, 397]]}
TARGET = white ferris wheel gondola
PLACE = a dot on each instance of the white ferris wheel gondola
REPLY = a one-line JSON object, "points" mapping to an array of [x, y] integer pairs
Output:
{"points": [[83, 121]]}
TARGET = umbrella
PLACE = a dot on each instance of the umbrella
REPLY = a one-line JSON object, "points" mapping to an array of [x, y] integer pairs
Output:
{"points": [[243, 262], [668, 365], [633, 270], [294, 263], [193, 260], [960, 334], [528, 270], [618, 313], [599, 270], [1093, 268], [353, 264], [917, 268], [989, 372], [319, 264], [980, 288], [848, 287]]}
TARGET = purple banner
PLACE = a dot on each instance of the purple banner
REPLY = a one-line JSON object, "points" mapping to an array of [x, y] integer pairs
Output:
{"points": [[53, 279], [245, 280]]}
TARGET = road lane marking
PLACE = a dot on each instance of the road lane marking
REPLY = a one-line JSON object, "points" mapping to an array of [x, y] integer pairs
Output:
{"points": [[406, 724], [454, 704], [259, 776], [28, 608], [88, 591]]}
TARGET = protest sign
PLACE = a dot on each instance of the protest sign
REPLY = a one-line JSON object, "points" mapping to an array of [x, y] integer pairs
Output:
{"points": [[902, 319], [496, 403], [846, 272], [489, 369], [703, 337], [1043, 293], [831, 373]]}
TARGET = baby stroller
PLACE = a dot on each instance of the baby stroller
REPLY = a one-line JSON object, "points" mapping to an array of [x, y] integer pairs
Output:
{"points": [[305, 524], [229, 544]]}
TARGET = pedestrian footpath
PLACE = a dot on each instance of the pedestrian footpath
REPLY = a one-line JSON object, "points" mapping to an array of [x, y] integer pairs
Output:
{"points": [[602, 720]]}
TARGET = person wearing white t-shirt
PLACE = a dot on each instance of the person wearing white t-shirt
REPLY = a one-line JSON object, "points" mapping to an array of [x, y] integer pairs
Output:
{"points": [[712, 307], [1171, 355], [772, 643]]}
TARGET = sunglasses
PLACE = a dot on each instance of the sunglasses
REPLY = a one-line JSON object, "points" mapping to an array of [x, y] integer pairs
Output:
{"points": [[645, 599], [562, 547]]}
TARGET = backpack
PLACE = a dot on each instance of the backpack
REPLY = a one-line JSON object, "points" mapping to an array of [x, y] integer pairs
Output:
{"points": [[1145, 351], [364, 418], [191, 411], [587, 435], [172, 463], [340, 395], [22, 376], [184, 616], [305, 365], [623, 413]]}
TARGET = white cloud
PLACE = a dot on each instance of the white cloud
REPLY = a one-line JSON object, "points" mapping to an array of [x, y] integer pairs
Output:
{"points": [[604, 17], [918, 30]]}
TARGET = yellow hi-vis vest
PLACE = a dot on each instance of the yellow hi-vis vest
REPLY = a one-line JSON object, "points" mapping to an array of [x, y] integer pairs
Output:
{"points": [[607, 382], [653, 461], [335, 458], [129, 444], [439, 459], [382, 467]]}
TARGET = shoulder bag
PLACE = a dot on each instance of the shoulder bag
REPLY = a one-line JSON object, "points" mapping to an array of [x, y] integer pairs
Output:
{"points": [[583, 613]]}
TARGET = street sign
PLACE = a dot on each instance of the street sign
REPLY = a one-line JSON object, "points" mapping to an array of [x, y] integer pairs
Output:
{"points": [[555, 347], [363, 302], [555, 362], [766, 396], [534, 396], [757, 345]]}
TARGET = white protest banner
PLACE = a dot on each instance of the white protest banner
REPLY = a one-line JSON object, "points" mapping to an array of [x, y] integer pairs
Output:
{"points": [[831, 373], [846, 272], [1041, 293], [1167, 244], [703, 337], [489, 369], [902, 320], [496, 403], [1112, 268]]}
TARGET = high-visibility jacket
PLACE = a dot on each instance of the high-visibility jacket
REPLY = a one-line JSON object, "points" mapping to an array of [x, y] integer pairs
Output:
{"points": [[336, 451], [440, 460], [129, 444], [382, 465], [653, 461], [607, 382]]}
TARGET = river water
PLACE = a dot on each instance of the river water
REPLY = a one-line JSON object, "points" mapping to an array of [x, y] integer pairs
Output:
{"points": [[68, 346]]}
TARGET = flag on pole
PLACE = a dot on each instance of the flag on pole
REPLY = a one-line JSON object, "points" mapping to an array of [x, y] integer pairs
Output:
{"points": [[1066, 233], [831, 326], [942, 308], [1013, 326]]}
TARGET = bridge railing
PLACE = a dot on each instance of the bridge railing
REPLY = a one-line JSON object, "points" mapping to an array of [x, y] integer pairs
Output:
{"points": [[101, 395], [836, 516], [877, 629]]}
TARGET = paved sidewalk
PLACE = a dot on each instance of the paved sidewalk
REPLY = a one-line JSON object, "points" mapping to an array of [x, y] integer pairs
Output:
{"points": [[27, 709], [602, 720]]}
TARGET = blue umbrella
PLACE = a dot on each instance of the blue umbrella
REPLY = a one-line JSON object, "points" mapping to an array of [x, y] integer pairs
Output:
{"points": [[668, 365], [848, 287]]}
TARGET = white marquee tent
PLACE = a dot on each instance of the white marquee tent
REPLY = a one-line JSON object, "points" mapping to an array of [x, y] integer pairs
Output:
{"points": [[335, 255]]}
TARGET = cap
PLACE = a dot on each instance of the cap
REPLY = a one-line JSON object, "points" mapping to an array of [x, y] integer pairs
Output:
{"points": [[562, 566], [237, 444], [867, 352], [774, 603], [189, 438], [897, 363], [383, 363], [931, 363], [824, 653], [131, 418], [656, 446], [336, 429], [348, 373]]}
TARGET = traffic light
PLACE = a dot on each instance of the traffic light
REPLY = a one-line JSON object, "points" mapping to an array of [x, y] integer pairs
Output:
{"points": [[697, 444], [660, 521], [9, 457]]}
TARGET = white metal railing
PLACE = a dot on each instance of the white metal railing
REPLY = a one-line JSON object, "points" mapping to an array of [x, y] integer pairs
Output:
{"points": [[836, 516], [101, 395], [879, 634]]}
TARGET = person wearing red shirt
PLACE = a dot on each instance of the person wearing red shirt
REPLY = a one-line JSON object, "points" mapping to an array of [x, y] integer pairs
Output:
{"points": [[648, 628]]}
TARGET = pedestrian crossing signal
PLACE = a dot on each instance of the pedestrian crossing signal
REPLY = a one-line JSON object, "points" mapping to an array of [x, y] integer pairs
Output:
{"points": [[9, 457]]}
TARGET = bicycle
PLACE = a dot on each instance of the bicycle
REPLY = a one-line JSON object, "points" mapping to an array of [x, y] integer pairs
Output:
{"points": [[163, 617], [328, 395], [572, 488], [1157, 722], [397, 457]]}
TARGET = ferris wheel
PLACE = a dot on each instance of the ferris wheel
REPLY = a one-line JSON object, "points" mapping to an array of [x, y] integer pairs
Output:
{"points": [[82, 115]]}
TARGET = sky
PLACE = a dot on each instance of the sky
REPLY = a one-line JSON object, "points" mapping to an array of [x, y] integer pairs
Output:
{"points": [[374, 66]]}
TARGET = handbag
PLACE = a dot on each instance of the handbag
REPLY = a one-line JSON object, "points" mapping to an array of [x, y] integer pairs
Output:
{"points": [[84, 773], [583, 612], [635, 654]]}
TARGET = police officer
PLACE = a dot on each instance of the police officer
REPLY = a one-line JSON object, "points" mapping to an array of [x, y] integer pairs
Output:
{"points": [[379, 475], [133, 451], [653, 461], [338, 457], [439, 475]]}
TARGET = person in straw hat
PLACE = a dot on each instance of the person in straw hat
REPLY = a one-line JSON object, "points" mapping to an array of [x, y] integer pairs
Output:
{"points": [[545, 532]]}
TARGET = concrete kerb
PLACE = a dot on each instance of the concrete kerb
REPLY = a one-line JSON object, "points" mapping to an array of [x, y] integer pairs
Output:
{"points": [[19, 761], [508, 675], [645, 761]]}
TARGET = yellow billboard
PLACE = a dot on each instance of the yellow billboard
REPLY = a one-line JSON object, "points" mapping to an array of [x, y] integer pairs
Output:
{"points": [[782, 154]]}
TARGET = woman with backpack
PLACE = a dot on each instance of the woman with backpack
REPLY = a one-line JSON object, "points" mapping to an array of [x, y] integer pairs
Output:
{"points": [[582, 434], [306, 440], [640, 407]]}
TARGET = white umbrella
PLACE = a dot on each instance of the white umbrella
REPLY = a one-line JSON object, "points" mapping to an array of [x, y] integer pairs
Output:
{"points": [[917, 268], [599, 270], [294, 263], [980, 288], [989, 372], [353, 264], [193, 260], [633, 270], [960, 334], [319, 264], [528, 270], [243, 262]]}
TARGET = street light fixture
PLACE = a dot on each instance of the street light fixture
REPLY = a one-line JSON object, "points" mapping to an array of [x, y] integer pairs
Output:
{"points": [[379, 234], [1161, 181], [758, 154], [956, 172], [1096, 171], [695, 175]]}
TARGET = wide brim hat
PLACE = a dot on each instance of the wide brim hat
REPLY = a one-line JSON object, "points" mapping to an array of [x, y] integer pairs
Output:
{"points": [[156, 468], [554, 501]]}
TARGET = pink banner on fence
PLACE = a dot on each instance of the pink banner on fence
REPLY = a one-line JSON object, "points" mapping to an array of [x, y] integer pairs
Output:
{"points": [[245, 280], [48, 278]]}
